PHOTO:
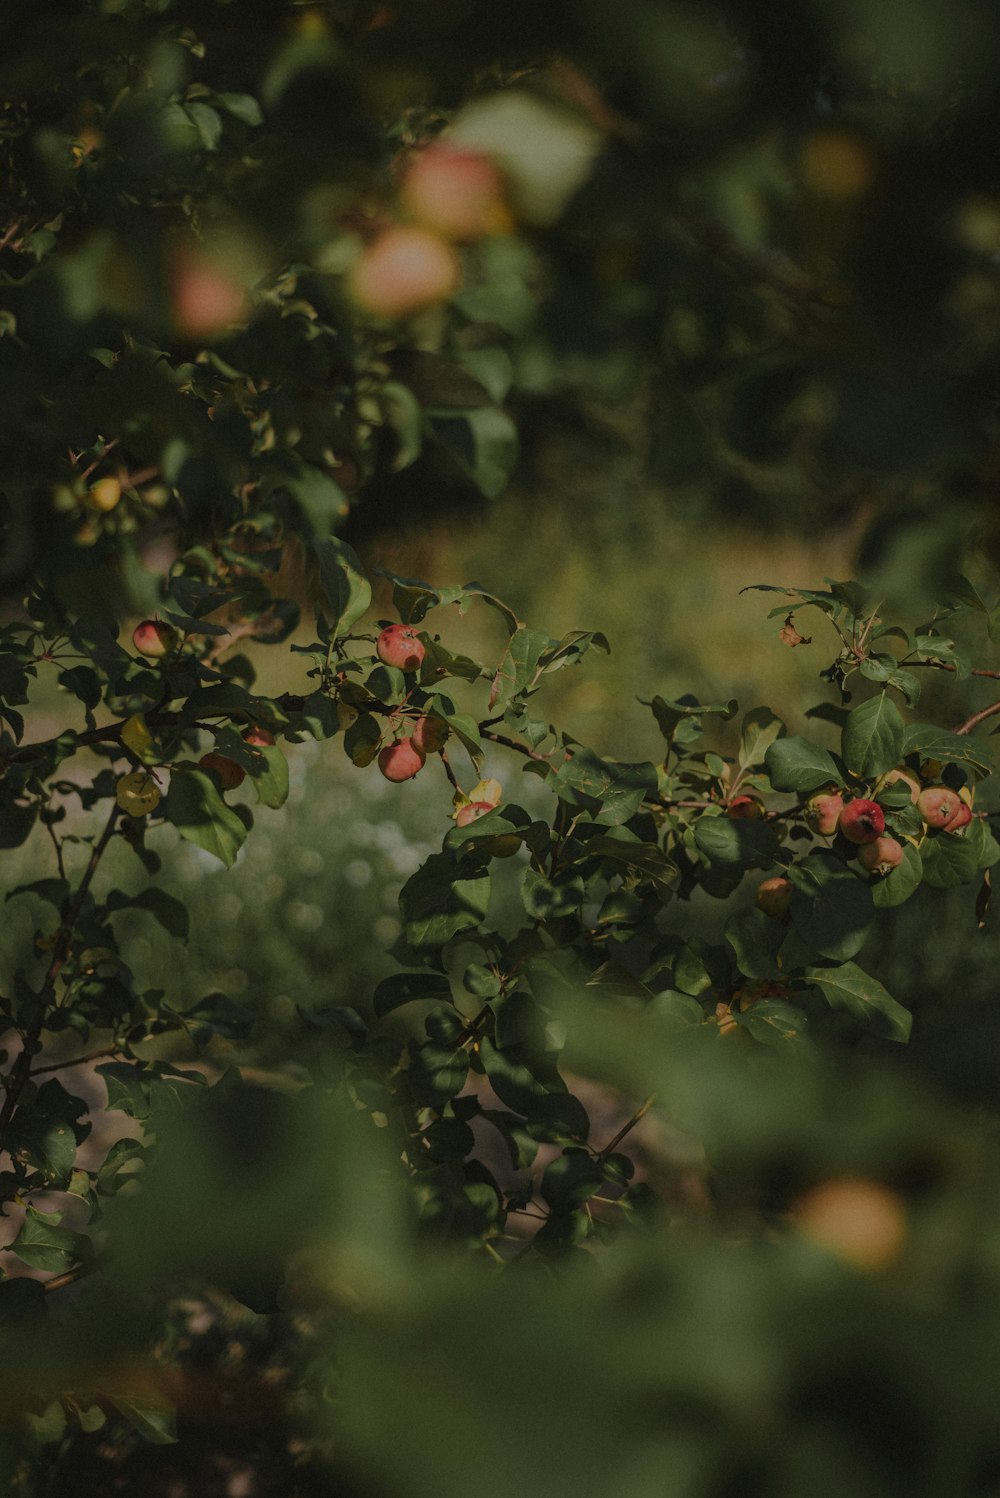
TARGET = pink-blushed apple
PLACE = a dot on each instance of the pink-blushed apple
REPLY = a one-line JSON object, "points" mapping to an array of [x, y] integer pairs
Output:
{"points": [[862, 821], [401, 761], [400, 646], [471, 812], [229, 772], [205, 300], [774, 897], [154, 639], [754, 992], [822, 812], [457, 193], [881, 856], [937, 804], [430, 734], [961, 819], [405, 269], [859, 1220], [258, 737], [745, 809]]}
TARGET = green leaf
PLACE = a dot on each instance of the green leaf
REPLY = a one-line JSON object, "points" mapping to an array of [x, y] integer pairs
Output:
{"points": [[269, 775], [243, 107], [436, 903], [612, 791], [773, 1022], [404, 988], [761, 728], [948, 860], [931, 742], [737, 843], [195, 806], [44, 1244], [832, 909], [755, 939], [546, 1105], [794, 764], [345, 586], [904, 880], [518, 665], [872, 740], [849, 987], [484, 442], [171, 913], [154, 1422], [548, 899]]}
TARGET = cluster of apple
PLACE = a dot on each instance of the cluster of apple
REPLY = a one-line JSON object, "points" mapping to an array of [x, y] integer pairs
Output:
{"points": [[449, 196], [862, 822], [138, 792]]}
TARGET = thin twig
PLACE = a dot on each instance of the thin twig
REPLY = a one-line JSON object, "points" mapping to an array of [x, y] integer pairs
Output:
{"points": [[626, 1128], [500, 738]]}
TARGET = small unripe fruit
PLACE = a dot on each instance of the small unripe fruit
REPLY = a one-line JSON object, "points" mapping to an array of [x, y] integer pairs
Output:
{"points": [[258, 738], [774, 897], [937, 805], [904, 775], [400, 646], [105, 494], [401, 761], [229, 772], [881, 856], [137, 793], [153, 638], [455, 192], [822, 812], [961, 819], [744, 809], [862, 821], [402, 271], [430, 734]]}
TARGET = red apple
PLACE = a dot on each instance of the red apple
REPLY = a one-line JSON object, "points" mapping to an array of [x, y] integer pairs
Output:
{"points": [[430, 734], [457, 193], [403, 270], [205, 301], [229, 773], [862, 821], [822, 812], [153, 638], [937, 805], [399, 645], [881, 856], [744, 808], [401, 761], [774, 897]]}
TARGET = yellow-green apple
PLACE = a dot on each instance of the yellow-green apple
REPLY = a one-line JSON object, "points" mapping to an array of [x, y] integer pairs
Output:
{"points": [[937, 804], [153, 638], [405, 269], [137, 793], [455, 192], [881, 856], [774, 896], [430, 734], [400, 646], [401, 761], [822, 812], [229, 773], [862, 821], [105, 494]]}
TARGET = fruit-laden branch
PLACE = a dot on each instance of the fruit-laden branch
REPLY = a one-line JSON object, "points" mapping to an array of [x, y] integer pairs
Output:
{"points": [[20, 1072]]}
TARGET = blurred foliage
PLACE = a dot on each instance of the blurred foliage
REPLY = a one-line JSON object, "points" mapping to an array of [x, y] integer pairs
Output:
{"points": [[730, 317]]}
